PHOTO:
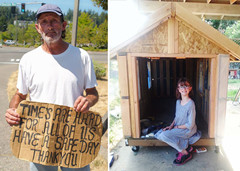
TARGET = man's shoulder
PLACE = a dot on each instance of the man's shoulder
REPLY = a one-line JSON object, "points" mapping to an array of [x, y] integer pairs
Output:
{"points": [[77, 49], [31, 53]]}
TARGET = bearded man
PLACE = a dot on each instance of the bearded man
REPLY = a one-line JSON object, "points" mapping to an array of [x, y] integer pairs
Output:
{"points": [[55, 72]]}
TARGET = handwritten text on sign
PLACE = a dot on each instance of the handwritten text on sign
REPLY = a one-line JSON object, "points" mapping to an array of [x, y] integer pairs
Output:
{"points": [[56, 135]]}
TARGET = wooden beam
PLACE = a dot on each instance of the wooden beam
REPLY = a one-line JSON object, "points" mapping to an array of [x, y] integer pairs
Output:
{"points": [[131, 96], [208, 9], [136, 97], [208, 1], [209, 32], [212, 97], [169, 55], [176, 36], [234, 61], [155, 142], [218, 17], [124, 93], [232, 1], [221, 97], [171, 35]]}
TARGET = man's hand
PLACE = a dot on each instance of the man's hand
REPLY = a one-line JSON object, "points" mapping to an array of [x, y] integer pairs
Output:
{"points": [[12, 117], [81, 104]]}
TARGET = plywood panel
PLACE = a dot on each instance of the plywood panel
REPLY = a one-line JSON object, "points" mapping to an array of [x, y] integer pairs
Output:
{"points": [[131, 96], [221, 97], [155, 41], [135, 97], [192, 42], [124, 93], [212, 97], [171, 35]]}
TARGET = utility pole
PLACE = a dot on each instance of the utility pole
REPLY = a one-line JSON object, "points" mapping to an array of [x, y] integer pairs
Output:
{"points": [[75, 22]]}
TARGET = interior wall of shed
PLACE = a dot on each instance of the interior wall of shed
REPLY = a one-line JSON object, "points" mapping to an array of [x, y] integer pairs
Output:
{"points": [[157, 81]]}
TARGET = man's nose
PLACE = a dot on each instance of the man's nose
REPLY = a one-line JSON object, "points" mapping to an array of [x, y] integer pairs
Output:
{"points": [[49, 24]]}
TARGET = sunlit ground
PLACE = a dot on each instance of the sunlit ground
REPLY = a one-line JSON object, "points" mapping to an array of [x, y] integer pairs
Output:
{"points": [[231, 141]]}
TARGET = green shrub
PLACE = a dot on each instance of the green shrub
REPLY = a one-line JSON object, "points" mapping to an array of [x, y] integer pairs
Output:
{"points": [[233, 81], [100, 70], [114, 103], [231, 94]]}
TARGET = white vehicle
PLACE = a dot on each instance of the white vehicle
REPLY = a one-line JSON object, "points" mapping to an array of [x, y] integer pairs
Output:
{"points": [[0, 45], [9, 42]]}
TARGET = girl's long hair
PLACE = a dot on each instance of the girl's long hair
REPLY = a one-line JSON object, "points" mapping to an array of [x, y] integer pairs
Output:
{"points": [[182, 82]]}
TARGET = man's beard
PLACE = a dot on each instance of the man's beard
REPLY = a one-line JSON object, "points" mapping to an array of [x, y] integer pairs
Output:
{"points": [[50, 40]]}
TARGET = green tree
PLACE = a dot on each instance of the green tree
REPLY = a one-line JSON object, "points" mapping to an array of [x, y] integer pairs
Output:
{"points": [[101, 37], [69, 15], [68, 37], [101, 3], [20, 37], [3, 23], [220, 25], [32, 36], [233, 32], [85, 29], [11, 32]]}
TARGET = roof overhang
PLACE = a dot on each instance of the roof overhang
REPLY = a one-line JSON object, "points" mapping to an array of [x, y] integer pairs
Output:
{"points": [[180, 13]]}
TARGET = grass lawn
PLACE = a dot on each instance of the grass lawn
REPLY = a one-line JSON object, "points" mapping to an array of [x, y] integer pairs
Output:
{"points": [[233, 86]]}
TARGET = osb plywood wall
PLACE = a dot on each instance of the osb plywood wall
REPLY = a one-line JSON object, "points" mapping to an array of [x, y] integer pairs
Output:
{"points": [[191, 42], [155, 41]]}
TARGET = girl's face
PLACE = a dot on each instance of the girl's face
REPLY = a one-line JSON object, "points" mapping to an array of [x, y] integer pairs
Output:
{"points": [[184, 88]]}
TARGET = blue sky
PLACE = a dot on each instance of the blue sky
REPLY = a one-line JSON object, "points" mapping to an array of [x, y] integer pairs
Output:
{"points": [[63, 4]]}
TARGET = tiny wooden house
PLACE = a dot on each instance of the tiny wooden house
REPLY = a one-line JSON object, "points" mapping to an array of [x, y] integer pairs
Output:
{"points": [[174, 44]]}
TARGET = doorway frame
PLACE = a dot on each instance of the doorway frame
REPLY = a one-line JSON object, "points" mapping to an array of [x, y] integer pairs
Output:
{"points": [[131, 119]]}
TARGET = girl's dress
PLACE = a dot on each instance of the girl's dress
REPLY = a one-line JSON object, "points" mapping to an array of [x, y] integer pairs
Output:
{"points": [[181, 138]]}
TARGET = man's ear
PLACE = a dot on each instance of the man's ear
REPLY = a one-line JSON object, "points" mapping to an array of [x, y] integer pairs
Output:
{"points": [[64, 25], [37, 28]]}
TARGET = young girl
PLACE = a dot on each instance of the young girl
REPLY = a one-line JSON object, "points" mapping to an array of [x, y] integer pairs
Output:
{"points": [[183, 130]]}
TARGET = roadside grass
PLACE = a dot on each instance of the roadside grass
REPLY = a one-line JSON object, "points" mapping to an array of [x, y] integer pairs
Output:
{"points": [[115, 131], [94, 49], [233, 86]]}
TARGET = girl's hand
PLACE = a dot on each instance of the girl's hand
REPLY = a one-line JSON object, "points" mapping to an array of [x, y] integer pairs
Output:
{"points": [[176, 127], [168, 128]]}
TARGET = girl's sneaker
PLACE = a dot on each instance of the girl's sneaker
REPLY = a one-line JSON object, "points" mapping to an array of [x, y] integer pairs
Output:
{"points": [[189, 150], [182, 159]]}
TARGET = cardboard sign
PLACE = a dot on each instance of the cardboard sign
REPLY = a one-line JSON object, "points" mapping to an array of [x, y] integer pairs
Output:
{"points": [[56, 135]]}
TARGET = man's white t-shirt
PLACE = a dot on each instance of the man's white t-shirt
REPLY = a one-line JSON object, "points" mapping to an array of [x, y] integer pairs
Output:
{"points": [[58, 79]]}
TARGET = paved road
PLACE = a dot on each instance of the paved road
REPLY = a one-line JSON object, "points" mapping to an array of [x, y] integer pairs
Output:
{"points": [[7, 161], [9, 59], [13, 55]]}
